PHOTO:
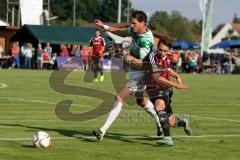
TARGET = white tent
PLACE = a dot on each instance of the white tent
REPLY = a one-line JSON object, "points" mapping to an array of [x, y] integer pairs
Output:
{"points": [[222, 34]]}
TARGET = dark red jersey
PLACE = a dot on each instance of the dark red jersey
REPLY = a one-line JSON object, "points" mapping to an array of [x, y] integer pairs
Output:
{"points": [[97, 44]]}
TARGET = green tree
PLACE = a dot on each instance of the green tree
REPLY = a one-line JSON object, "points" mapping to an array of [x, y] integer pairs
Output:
{"points": [[87, 11], [175, 25], [3, 7]]}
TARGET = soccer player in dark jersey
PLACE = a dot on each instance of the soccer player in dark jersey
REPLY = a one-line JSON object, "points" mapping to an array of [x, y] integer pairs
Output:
{"points": [[142, 44], [161, 96], [97, 45]]}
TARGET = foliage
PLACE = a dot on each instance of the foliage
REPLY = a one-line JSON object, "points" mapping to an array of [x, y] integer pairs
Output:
{"points": [[175, 24]]}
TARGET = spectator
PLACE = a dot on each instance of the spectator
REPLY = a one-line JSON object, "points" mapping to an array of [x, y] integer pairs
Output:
{"points": [[28, 55], [174, 60], [37, 57], [225, 63], [45, 60], [75, 51], [192, 62], [15, 55], [1, 50], [48, 50], [64, 52], [84, 55]]}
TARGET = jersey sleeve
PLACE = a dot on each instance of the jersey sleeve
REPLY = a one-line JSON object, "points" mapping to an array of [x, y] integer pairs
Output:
{"points": [[154, 67], [103, 42]]}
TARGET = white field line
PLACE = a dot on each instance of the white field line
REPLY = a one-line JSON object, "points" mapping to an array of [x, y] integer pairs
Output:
{"points": [[124, 137], [212, 118], [47, 102], [33, 101], [2, 85]]}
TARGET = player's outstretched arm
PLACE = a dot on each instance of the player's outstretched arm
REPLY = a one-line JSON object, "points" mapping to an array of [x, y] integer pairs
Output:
{"points": [[108, 28], [175, 75], [166, 83]]}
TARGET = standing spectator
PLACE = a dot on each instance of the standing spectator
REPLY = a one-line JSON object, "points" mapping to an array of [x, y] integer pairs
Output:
{"points": [[84, 55], [15, 55], [48, 50], [1, 50], [192, 62], [22, 55], [97, 44], [174, 60], [225, 63], [45, 60], [1, 53], [64, 52], [37, 57], [69, 50], [28, 55]]}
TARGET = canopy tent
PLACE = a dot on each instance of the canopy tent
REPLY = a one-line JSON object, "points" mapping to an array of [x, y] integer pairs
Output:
{"points": [[185, 45], [227, 44], [55, 34]]}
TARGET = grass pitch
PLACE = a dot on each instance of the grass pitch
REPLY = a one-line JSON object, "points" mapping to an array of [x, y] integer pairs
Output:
{"points": [[27, 104]]}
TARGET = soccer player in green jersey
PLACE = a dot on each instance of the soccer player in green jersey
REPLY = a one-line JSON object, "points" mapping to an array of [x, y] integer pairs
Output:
{"points": [[142, 43]]}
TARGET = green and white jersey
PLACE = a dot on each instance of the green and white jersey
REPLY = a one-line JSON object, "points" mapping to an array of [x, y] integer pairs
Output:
{"points": [[141, 43]]}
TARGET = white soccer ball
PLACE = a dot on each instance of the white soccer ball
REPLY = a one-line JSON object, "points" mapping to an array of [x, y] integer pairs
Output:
{"points": [[41, 139]]}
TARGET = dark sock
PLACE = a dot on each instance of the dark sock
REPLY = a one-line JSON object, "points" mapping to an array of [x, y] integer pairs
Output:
{"points": [[95, 74], [164, 122], [179, 122]]}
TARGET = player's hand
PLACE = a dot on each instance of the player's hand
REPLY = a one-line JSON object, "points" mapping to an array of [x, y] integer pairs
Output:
{"points": [[98, 23], [181, 86], [179, 80], [129, 58]]}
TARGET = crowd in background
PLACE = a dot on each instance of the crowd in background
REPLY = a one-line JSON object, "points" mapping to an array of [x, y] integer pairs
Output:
{"points": [[191, 61], [183, 61]]}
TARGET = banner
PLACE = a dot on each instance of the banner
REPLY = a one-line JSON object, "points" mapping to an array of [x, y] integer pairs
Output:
{"points": [[31, 11], [207, 24]]}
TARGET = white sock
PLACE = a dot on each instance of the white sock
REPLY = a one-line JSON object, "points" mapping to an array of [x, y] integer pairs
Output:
{"points": [[112, 116], [149, 108]]}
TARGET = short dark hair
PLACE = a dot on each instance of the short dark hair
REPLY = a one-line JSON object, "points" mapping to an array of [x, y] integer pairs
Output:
{"points": [[165, 41], [140, 16]]}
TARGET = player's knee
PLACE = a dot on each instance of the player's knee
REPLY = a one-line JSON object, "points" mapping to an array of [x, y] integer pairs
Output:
{"points": [[172, 121], [159, 105], [141, 102], [118, 98]]}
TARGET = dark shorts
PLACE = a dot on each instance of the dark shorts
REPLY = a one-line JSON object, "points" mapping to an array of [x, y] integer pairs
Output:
{"points": [[165, 95], [97, 62]]}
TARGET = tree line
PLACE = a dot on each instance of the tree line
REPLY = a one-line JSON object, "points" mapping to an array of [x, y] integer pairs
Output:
{"points": [[172, 24]]}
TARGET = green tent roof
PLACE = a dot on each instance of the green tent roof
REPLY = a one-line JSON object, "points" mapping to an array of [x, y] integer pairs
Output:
{"points": [[55, 34]]}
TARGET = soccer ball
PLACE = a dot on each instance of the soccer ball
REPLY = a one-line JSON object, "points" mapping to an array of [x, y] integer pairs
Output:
{"points": [[41, 139]]}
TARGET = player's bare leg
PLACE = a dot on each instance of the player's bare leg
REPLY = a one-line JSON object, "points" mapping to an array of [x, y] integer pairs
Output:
{"points": [[113, 114]]}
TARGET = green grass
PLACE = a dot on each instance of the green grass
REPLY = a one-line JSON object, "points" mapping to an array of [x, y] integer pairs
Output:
{"points": [[28, 103]]}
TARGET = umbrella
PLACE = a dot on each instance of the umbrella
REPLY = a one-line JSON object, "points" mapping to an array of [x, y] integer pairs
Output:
{"points": [[185, 45], [227, 44]]}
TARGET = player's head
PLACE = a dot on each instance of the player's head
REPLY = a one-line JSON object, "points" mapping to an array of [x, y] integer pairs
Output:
{"points": [[164, 46], [97, 33], [138, 21]]}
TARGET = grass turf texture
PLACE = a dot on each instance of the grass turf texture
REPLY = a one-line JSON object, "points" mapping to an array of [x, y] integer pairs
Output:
{"points": [[27, 104]]}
